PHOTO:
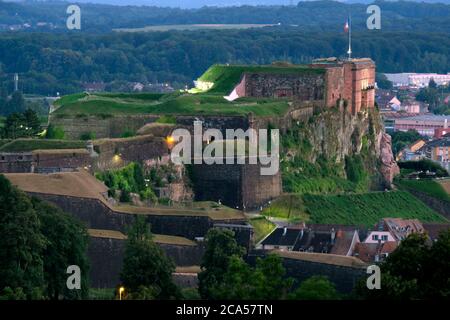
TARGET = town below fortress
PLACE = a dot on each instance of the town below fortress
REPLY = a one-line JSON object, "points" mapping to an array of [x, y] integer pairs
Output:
{"points": [[332, 209]]}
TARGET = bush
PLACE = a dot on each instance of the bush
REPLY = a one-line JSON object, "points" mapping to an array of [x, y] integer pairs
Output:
{"points": [[424, 165], [166, 119], [87, 136], [54, 132], [127, 134], [315, 288], [125, 196]]}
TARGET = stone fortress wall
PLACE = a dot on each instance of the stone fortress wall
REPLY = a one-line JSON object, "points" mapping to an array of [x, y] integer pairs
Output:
{"points": [[304, 87], [108, 126], [95, 214]]}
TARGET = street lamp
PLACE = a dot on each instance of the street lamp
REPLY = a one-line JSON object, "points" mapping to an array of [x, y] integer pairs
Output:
{"points": [[121, 290]]}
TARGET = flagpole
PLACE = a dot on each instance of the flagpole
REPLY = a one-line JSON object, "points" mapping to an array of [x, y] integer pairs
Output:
{"points": [[349, 38]]}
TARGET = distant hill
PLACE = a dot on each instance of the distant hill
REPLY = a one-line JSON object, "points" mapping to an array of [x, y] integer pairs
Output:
{"points": [[322, 15], [217, 3]]}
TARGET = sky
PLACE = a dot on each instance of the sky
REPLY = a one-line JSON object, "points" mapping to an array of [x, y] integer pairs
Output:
{"points": [[184, 3], [220, 3]]}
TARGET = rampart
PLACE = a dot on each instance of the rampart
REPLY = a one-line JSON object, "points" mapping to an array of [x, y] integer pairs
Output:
{"points": [[106, 258], [344, 272], [106, 126]]}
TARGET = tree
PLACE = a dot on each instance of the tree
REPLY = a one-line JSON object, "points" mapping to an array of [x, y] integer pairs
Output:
{"points": [[21, 243], [147, 271], [382, 81], [32, 121], [315, 288], [24, 124], [54, 132], [415, 270], [429, 95], [67, 241], [432, 84], [266, 281], [39, 242], [401, 139], [221, 246], [138, 177], [16, 104]]}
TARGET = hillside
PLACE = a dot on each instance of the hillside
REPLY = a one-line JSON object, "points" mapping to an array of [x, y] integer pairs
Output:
{"points": [[353, 209], [432, 188], [323, 15], [50, 63]]}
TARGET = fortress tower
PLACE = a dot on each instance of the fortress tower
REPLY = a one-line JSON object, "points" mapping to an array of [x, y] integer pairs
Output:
{"points": [[324, 82]]}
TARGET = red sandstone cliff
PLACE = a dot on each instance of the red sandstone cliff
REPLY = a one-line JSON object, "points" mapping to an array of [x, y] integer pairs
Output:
{"points": [[389, 168]]}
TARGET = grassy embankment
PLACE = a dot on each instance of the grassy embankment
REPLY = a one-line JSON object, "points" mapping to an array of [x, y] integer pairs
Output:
{"points": [[352, 209], [432, 188], [174, 104], [42, 144], [208, 102], [262, 227]]}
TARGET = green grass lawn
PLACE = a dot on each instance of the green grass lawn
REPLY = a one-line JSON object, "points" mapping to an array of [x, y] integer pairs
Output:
{"points": [[429, 187], [262, 227], [287, 207], [175, 104], [34, 144], [210, 102]]}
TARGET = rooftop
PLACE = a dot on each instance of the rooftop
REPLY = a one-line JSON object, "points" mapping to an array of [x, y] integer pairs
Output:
{"points": [[429, 117], [434, 229], [326, 258], [158, 238], [334, 241], [443, 142]]}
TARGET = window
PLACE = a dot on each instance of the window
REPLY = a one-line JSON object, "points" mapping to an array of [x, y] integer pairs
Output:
{"points": [[384, 237], [375, 237]]}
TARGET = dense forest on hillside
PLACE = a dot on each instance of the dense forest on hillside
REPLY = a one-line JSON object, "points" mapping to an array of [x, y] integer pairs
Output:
{"points": [[48, 63], [51, 59], [319, 15]]}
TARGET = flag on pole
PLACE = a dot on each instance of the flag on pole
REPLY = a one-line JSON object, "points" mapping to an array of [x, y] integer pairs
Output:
{"points": [[347, 26]]}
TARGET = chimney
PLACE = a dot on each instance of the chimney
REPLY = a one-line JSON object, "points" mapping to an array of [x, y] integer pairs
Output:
{"points": [[333, 235], [284, 231], [90, 148]]}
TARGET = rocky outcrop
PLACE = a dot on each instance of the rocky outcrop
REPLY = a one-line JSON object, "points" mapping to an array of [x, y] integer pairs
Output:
{"points": [[335, 134], [388, 167]]}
